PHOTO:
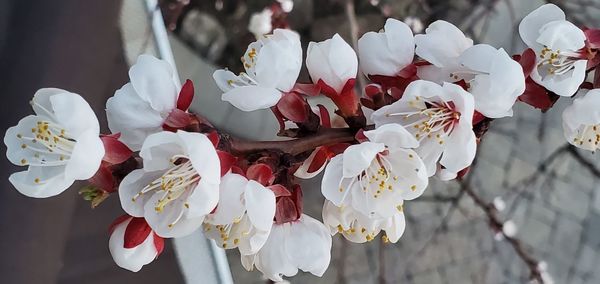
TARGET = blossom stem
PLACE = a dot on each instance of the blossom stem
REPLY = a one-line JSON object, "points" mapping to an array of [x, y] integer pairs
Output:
{"points": [[324, 136]]}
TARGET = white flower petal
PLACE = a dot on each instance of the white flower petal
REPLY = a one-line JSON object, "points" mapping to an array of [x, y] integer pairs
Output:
{"points": [[562, 35], [159, 148], [530, 26], [86, 156], [202, 154], [230, 206], [279, 61], [358, 157], [251, 98], [163, 222], [225, 79], [260, 205], [203, 199], [127, 113], [152, 80], [441, 44], [130, 187], [395, 230], [386, 53], [132, 259], [272, 259], [333, 61], [411, 172], [564, 84], [393, 136], [74, 114], [51, 181], [332, 181], [309, 233], [461, 147]]}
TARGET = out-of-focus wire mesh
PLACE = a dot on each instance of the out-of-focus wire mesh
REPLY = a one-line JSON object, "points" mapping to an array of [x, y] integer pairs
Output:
{"points": [[549, 191]]}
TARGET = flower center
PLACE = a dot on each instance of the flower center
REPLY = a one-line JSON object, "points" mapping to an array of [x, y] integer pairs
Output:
{"points": [[588, 137], [49, 144], [556, 62], [429, 120], [178, 183]]}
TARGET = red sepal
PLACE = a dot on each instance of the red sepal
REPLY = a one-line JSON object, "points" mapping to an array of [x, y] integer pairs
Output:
{"points": [[537, 96], [279, 117], [177, 119], [137, 232], [527, 61], [119, 220], [306, 89], [297, 197], [238, 170], [462, 173], [261, 173], [279, 190], [319, 159], [360, 136], [338, 148], [227, 161], [104, 179], [285, 210], [324, 115], [186, 95], [326, 89], [293, 107], [115, 152], [214, 138], [477, 117], [159, 244], [408, 72], [593, 38]]}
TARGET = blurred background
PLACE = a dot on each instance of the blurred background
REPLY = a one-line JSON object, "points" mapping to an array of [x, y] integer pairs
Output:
{"points": [[548, 191]]}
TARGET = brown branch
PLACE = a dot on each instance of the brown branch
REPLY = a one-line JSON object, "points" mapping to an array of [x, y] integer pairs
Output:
{"points": [[497, 224], [325, 136]]}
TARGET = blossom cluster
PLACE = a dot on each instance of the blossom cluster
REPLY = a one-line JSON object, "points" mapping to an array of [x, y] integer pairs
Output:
{"points": [[431, 98]]}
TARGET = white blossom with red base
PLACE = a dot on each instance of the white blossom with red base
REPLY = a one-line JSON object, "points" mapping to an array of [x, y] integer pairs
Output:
{"points": [[304, 244], [376, 176], [272, 66], [59, 144], [490, 74], [133, 244], [244, 215], [178, 186], [561, 64], [581, 121], [440, 118], [151, 100]]}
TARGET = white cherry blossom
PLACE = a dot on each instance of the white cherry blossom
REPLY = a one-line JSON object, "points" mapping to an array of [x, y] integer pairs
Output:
{"points": [[59, 144], [493, 78], [386, 52], [376, 176], [133, 258], [333, 61], [581, 121], [358, 228], [178, 186], [272, 66], [244, 215], [141, 106], [556, 42], [304, 244], [440, 118]]}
